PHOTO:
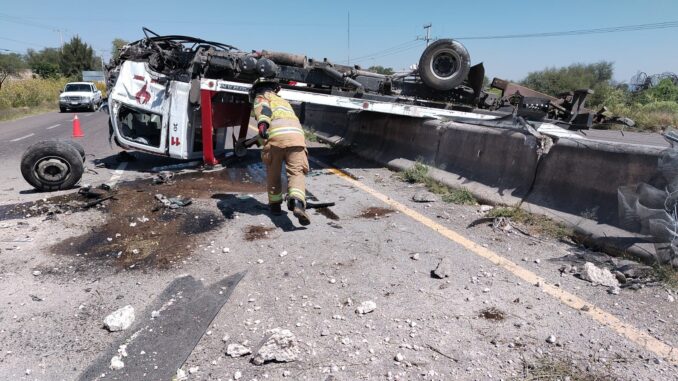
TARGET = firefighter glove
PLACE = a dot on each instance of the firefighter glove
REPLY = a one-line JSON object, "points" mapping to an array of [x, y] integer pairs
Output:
{"points": [[263, 129]]}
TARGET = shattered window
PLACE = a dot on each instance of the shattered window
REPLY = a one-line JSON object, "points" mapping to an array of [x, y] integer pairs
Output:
{"points": [[140, 126]]}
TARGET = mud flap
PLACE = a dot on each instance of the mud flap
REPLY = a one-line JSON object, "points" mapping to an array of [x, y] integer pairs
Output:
{"points": [[186, 308]]}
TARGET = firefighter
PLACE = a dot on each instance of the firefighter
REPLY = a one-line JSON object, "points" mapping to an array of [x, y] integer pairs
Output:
{"points": [[283, 141]]}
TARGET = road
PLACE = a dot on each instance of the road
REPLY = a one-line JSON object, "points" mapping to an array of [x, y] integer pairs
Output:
{"points": [[504, 311]]}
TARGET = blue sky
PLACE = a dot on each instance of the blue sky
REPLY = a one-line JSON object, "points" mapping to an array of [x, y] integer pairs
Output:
{"points": [[319, 29]]}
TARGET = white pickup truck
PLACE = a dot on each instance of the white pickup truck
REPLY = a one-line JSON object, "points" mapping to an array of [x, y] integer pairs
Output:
{"points": [[79, 95]]}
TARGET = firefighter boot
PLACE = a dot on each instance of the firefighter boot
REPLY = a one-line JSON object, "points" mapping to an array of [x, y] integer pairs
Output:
{"points": [[276, 210], [299, 211]]}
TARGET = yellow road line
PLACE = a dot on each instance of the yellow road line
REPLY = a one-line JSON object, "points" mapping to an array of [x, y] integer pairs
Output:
{"points": [[605, 318]]}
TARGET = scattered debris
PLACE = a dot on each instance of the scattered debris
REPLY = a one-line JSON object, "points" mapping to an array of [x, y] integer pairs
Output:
{"points": [[424, 196], [366, 307], [492, 313], [193, 369], [163, 177], [375, 212], [181, 375], [551, 339], [117, 363], [415, 257], [237, 350], [485, 208], [173, 202], [443, 270], [399, 357], [120, 319], [280, 345], [597, 275]]}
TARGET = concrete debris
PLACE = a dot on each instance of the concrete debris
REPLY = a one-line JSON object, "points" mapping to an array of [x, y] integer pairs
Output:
{"points": [[415, 257], [193, 369], [485, 208], [503, 224], [614, 290], [443, 270], [181, 375], [237, 350], [366, 307], [280, 345], [226, 338], [225, 250], [237, 375], [155, 314], [120, 319], [116, 363], [399, 357], [36, 273], [597, 275], [670, 298], [551, 339], [424, 196]]}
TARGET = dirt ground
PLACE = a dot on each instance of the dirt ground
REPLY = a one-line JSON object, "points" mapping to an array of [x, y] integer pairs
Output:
{"points": [[64, 268]]}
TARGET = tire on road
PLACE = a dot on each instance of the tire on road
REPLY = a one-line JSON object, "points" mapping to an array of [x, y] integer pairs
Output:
{"points": [[444, 64], [52, 165], [78, 147]]}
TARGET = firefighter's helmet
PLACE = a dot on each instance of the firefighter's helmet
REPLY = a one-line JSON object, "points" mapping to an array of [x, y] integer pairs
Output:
{"points": [[263, 84]]}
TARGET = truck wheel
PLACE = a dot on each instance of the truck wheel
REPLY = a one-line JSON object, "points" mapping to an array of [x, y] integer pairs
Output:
{"points": [[78, 147], [444, 64], [52, 165], [62, 109]]}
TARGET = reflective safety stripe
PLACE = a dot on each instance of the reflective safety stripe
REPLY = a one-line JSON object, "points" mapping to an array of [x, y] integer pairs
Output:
{"points": [[284, 130], [274, 197], [297, 193]]}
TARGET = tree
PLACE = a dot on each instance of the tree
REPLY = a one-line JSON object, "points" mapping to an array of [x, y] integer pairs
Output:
{"points": [[77, 56], [10, 64], [554, 81], [116, 45], [381, 70], [44, 63]]}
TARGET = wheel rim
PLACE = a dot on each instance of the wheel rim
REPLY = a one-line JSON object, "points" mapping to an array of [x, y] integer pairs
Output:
{"points": [[52, 169], [445, 64]]}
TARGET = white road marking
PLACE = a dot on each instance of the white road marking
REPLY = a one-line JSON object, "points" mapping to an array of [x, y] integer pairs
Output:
{"points": [[21, 138], [54, 126], [117, 174]]}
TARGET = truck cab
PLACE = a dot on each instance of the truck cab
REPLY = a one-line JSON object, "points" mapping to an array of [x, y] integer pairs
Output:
{"points": [[154, 113]]}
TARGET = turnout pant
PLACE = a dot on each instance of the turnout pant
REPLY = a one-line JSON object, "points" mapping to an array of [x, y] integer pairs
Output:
{"points": [[296, 167]]}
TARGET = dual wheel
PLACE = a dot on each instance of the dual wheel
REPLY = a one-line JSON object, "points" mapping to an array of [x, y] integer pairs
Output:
{"points": [[53, 164]]}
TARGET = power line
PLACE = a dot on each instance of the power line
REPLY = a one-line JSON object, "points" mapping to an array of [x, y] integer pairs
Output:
{"points": [[23, 42], [578, 32], [395, 48]]}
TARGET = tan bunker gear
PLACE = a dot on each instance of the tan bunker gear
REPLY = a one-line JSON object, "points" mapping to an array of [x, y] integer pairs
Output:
{"points": [[284, 142]]}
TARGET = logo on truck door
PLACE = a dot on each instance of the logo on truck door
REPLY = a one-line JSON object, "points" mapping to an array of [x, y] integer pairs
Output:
{"points": [[143, 96], [174, 141]]}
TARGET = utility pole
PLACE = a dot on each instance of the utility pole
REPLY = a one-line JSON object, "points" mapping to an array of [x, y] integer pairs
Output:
{"points": [[428, 34], [348, 37]]}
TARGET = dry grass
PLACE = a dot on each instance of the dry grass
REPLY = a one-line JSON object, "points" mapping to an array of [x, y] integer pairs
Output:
{"points": [[534, 223], [550, 369], [25, 97], [418, 173]]}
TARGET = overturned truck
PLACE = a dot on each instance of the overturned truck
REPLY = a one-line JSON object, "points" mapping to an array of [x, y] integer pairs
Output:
{"points": [[176, 96]]}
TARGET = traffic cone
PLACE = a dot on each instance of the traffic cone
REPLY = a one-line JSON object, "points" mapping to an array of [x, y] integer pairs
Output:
{"points": [[77, 131]]}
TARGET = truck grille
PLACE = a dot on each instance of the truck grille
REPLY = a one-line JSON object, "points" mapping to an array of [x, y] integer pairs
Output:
{"points": [[74, 98]]}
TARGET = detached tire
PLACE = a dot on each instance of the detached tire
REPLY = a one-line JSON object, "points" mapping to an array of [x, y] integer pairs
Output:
{"points": [[52, 165], [444, 64], [78, 147]]}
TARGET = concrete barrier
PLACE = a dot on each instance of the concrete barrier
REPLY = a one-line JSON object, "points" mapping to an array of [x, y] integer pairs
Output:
{"points": [[575, 182], [581, 177], [500, 158]]}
